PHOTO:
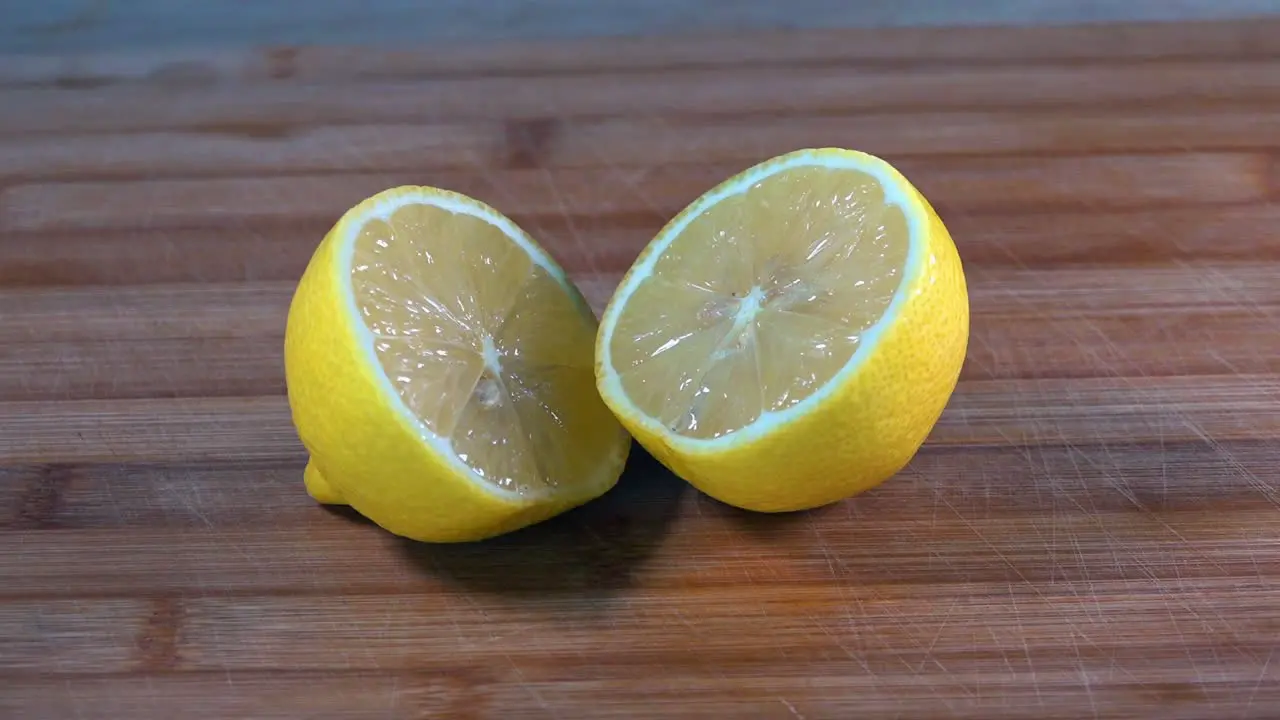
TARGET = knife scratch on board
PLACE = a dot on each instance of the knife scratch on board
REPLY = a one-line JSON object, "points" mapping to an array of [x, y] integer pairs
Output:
{"points": [[791, 708], [946, 618], [529, 688], [586, 251]]}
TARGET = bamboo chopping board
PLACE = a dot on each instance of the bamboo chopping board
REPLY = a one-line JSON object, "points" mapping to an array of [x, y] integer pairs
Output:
{"points": [[1091, 531]]}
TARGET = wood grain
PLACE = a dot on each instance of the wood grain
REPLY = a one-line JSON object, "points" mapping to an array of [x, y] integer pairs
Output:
{"points": [[610, 142], [916, 46], [256, 109], [977, 185], [1089, 532], [278, 250], [221, 695]]}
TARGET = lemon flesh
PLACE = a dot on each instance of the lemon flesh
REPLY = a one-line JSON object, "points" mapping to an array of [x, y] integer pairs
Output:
{"points": [[792, 337], [440, 370], [484, 346]]}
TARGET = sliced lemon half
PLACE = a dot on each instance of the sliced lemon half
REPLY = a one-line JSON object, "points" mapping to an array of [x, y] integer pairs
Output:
{"points": [[792, 337], [440, 372]]}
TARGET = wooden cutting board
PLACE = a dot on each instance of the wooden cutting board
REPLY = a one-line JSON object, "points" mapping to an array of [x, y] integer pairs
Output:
{"points": [[1091, 531]]}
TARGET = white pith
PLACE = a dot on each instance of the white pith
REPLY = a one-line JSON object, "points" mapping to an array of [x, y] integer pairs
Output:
{"points": [[895, 194]]}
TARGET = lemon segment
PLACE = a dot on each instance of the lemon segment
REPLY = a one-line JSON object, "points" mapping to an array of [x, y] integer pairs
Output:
{"points": [[440, 372], [791, 338]]}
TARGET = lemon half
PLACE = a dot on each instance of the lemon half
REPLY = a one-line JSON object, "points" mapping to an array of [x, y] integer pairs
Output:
{"points": [[792, 337], [440, 372]]}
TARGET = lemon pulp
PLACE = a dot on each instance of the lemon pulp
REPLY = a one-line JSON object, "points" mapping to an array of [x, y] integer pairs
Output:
{"points": [[790, 338], [760, 301], [483, 345]]}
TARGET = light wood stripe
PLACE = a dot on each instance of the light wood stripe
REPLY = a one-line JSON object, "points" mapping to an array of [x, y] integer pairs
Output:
{"points": [[956, 186], [609, 143]]}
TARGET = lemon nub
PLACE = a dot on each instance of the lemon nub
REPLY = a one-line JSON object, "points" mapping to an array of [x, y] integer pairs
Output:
{"points": [[483, 345], [760, 300]]}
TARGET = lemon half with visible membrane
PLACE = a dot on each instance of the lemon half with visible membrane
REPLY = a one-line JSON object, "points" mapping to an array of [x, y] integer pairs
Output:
{"points": [[792, 337], [440, 372]]}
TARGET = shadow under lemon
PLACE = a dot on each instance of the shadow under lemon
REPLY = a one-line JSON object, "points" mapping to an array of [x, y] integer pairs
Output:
{"points": [[591, 550]]}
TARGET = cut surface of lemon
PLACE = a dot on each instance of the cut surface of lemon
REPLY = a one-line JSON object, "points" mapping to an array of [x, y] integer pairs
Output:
{"points": [[440, 372], [792, 337]]}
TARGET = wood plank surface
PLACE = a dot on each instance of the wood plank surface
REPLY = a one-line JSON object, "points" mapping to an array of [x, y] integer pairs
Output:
{"points": [[1092, 530]]}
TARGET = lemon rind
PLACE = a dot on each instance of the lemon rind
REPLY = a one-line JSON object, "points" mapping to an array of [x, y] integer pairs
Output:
{"points": [[897, 191], [382, 206]]}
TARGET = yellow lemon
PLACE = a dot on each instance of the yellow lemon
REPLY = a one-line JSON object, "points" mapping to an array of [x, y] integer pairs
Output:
{"points": [[791, 338], [440, 372]]}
